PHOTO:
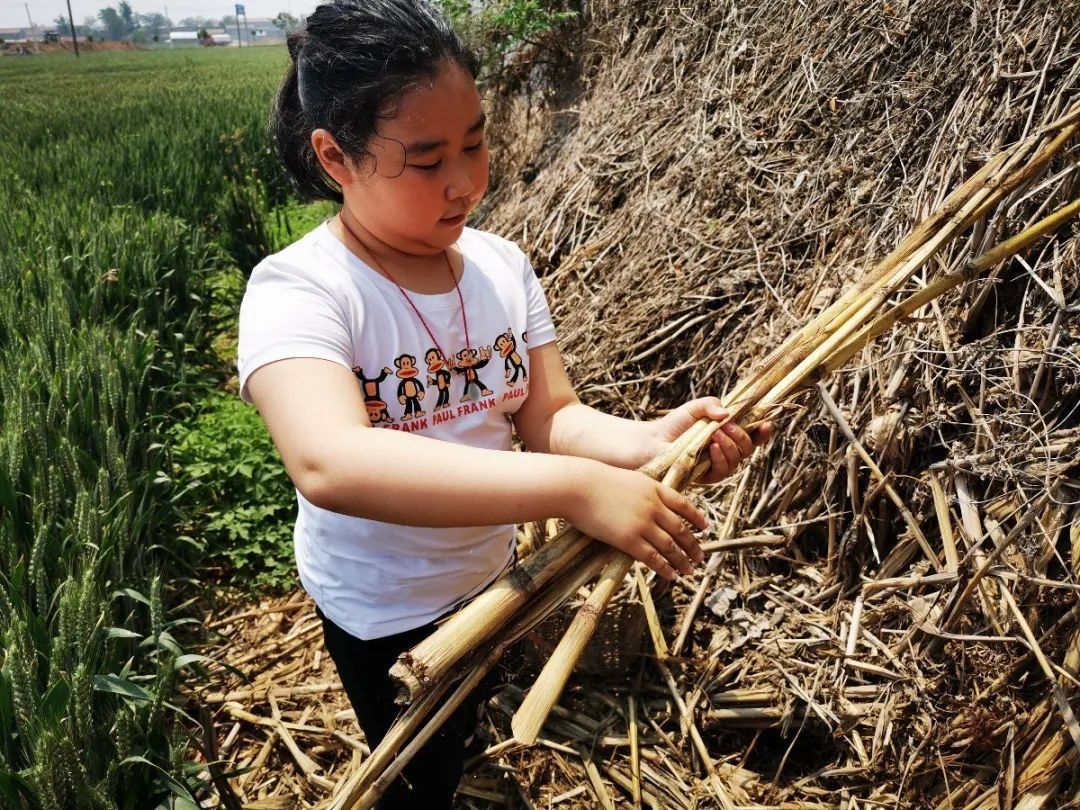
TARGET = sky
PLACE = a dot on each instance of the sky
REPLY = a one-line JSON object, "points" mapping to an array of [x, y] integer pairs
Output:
{"points": [[43, 12]]}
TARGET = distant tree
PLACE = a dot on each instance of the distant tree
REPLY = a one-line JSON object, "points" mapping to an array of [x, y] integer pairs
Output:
{"points": [[127, 15], [286, 22], [191, 22], [113, 23], [228, 20], [63, 25], [153, 24]]}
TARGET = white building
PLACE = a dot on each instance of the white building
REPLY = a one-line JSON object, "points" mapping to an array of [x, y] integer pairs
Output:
{"points": [[184, 38], [188, 39], [15, 34]]}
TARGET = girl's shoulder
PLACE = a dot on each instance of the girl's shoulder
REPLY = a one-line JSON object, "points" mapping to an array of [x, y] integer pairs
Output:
{"points": [[302, 260], [491, 251]]}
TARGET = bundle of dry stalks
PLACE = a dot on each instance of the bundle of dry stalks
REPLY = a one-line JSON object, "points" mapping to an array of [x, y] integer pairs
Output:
{"points": [[719, 174]]}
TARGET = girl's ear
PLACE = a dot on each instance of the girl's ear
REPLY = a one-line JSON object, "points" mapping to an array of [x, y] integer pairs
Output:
{"points": [[333, 160]]}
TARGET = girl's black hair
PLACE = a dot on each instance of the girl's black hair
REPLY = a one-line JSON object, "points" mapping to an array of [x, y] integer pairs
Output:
{"points": [[352, 59]]}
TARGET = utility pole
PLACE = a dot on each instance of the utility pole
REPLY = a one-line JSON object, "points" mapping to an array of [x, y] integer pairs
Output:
{"points": [[239, 10], [74, 36], [33, 29]]}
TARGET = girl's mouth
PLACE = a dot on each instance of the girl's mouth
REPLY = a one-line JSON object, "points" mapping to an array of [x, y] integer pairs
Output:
{"points": [[452, 221]]}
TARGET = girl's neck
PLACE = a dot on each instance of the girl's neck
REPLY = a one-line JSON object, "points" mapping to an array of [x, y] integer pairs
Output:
{"points": [[423, 274]]}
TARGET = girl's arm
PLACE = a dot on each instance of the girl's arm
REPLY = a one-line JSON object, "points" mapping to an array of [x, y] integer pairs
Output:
{"points": [[315, 414], [553, 420]]}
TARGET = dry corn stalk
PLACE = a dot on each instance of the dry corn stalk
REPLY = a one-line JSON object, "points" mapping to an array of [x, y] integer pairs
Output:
{"points": [[820, 347], [823, 345], [382, 767]]}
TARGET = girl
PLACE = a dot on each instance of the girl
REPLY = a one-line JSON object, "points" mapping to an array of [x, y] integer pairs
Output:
{"points": [[396, 316]]}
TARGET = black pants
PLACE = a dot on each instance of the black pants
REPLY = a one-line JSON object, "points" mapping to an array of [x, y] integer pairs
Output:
{"points": [[430, 779]]}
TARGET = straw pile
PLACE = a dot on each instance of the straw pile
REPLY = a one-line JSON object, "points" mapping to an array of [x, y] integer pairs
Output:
{"points": [[719, 177], [730, 171]]}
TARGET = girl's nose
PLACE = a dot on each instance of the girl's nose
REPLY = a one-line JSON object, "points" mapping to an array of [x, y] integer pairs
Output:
{"points": [[461, 182]]}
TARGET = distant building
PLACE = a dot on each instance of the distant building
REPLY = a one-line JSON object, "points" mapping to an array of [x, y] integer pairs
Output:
{"points": [[16, 34], [218, 36], [188, 39], [260, 31]]}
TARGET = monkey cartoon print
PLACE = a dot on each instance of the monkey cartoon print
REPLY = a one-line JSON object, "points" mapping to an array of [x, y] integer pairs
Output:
{"points": [[373, 401], [439, 376], [467, 361], [410, 390], [506, 346]]}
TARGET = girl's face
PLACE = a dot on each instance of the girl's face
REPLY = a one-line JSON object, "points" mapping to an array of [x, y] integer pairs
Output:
{"points": [[430, 166]]}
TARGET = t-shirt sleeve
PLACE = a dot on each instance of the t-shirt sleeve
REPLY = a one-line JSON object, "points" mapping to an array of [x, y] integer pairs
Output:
{"points": [[540, 327], [284, 315]]}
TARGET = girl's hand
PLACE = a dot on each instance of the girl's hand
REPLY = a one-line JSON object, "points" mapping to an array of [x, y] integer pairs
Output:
{"points": [[730, 444], [642, 517]]}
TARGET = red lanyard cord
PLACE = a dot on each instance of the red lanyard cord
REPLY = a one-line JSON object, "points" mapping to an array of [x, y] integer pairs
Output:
{"points": [[385, 272]]}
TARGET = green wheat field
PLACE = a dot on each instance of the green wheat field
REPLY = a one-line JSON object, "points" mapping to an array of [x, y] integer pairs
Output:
{"points": [[131, 184]]}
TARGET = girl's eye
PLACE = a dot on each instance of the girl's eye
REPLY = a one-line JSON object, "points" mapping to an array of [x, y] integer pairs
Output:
{"points": [[430, 167]]}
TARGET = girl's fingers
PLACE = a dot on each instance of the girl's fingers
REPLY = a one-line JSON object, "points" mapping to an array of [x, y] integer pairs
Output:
{"points": [[716, 411], [720, 468], [740, 437], [672, 551], [762, 433], [681, 506], [671, 524], [645, 552], [730, 449]]}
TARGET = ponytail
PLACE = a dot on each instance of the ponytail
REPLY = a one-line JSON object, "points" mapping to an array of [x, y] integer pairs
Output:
{"points": [[350, 62]]}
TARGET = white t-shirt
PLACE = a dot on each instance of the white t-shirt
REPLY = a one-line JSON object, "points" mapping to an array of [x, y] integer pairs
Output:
{"points": [[315, 298]]}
